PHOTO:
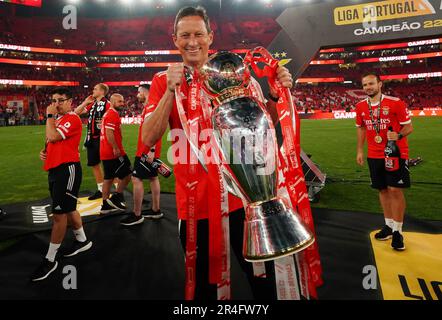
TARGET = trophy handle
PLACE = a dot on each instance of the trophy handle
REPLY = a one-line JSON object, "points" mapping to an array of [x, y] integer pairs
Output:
{"points": [[231, 185]]}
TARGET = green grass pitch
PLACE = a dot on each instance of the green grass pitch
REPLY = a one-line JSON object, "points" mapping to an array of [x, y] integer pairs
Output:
{"points": [[332, 144]]}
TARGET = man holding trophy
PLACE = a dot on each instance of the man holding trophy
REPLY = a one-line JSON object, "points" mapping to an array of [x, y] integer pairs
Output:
{"points": [[218, 178]]}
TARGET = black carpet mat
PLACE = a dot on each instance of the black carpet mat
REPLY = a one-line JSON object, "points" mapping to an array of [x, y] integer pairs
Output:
{"points": [[147, 262]]}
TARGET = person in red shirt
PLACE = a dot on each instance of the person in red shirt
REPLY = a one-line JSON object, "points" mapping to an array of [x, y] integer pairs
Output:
{"points": [[144, 170], [62, 161], [193, 37], [95, 106], [116, 164], [374, 116]]}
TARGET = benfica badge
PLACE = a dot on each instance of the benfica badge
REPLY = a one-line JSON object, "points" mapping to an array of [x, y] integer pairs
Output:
{"points": [[385, 111]]}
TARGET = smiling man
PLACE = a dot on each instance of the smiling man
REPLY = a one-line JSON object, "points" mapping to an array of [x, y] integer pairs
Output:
{"points": [[193, 37]]}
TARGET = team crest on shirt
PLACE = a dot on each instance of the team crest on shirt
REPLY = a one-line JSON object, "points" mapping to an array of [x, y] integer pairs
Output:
{"points": [[385, 110]]}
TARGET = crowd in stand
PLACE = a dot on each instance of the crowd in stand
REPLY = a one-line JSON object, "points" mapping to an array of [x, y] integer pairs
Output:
{"points": [[307, 98], [328, 98]]}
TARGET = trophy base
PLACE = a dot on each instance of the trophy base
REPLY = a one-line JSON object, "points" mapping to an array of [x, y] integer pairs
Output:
{"points": [[273, 230]]}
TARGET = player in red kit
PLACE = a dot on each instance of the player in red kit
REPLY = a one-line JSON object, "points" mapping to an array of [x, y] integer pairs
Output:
{"points": [[95, 106], [374, 116], [144, 170], [62, 161], [116, 164]]}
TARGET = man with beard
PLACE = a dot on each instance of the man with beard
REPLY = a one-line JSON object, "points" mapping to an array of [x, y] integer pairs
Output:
{"points": [[374, 116], [116, 164], [144, 170], [96, 106]]}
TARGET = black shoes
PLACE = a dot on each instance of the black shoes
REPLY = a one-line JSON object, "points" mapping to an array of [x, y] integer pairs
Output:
{"points": [[132, 220], [150, 214], [385, 234], [117, 201], [78, 247], [96, 195], [44, 270], [107, 208], [398, 241], [47, 267]]}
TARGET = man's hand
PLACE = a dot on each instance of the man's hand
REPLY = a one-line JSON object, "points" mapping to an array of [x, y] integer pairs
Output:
{"points": [[391, 135], [116, 152], [284, 77], [150, 156], [174, 76], [51, 109], [89, 100], [360, 158], [43, 155]]}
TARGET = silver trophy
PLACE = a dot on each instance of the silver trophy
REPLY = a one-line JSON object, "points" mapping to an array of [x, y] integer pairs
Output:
{"points": [[245, 135]]}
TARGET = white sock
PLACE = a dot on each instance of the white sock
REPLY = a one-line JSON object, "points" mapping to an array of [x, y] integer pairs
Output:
{"points": [[52, 251], [389, 222], [397, 226], [100, 187], [80, 235]]}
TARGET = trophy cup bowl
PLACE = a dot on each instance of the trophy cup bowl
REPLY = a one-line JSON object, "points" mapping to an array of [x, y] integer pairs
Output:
{"points": [[245, 135]]}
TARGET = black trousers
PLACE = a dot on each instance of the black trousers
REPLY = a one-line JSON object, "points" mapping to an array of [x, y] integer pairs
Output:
{"points": [[262, 288]]}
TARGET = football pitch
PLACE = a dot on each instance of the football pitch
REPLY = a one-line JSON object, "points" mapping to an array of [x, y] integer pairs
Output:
{"points": [[332, 144]]}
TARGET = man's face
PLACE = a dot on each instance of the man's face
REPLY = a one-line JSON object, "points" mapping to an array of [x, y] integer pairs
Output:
{"points": [[63, 104], [193, 40], [118, 102], [371, 86], [97, 92], [142, 95]]}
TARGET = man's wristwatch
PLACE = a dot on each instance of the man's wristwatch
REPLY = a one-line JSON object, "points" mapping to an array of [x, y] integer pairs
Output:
{"points": [[49, 115], [399, 136]]}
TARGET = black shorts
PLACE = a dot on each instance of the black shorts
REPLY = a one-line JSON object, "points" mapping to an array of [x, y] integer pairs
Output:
{"points": [[64, 185], [117, 168], [93, 152], [143, 169], [381, 178]]}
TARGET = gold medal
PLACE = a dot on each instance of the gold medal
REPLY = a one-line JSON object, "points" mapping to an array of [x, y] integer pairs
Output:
{"points": [[378, 139]]}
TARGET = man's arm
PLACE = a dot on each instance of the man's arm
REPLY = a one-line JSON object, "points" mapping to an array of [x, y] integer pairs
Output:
{"points": [[284, 77], [111, 139], [156, 124], [82, 107], [51, 130], [362, 134], [405, 131]]}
